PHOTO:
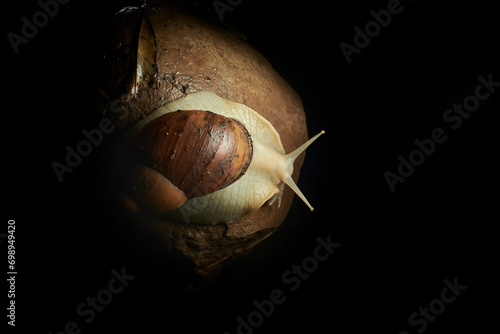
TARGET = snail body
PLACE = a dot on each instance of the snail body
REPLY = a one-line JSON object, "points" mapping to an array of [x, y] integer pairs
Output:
{"points": [[208, 160]]}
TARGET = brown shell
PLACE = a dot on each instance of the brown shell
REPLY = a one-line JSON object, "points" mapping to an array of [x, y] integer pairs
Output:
{"points": [[198, 151]]}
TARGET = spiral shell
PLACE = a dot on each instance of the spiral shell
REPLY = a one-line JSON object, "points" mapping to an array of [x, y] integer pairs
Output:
{"points": [[197, 151]]}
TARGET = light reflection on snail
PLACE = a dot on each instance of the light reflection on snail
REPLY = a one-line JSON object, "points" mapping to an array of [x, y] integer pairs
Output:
{"points": [[208, 159]]}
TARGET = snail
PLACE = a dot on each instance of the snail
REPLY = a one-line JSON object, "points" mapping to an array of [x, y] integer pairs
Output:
{"points": [[206, 160]]}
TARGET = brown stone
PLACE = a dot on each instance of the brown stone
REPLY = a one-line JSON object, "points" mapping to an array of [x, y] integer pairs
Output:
{"points": [[195, 54]]}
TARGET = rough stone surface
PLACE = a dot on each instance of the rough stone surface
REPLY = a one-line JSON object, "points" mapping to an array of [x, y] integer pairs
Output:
{"points": [[195, 54]]}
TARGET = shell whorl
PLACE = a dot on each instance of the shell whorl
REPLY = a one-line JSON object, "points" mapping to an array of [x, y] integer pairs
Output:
{"points": [[197, 151]]}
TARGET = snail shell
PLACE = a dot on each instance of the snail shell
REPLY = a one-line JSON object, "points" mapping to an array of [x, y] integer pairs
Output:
{"points": [[186, 154], [215, 159]]}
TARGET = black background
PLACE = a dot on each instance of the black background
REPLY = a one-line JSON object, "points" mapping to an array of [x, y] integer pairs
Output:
{"points": [[396, 249]]}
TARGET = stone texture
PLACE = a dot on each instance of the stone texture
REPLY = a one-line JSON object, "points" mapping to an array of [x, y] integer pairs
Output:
{"points": [[196, 54]]}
